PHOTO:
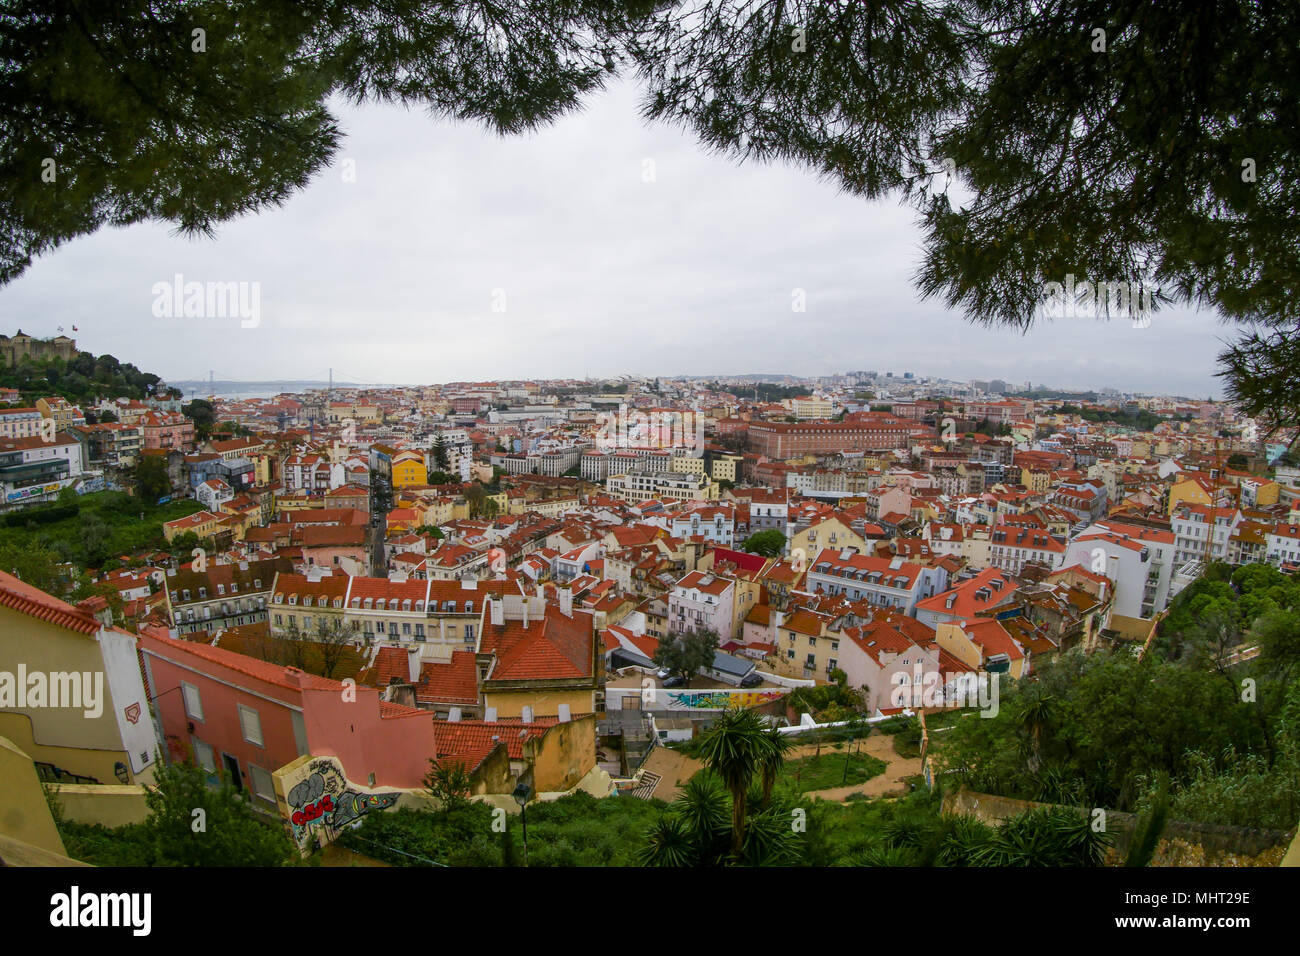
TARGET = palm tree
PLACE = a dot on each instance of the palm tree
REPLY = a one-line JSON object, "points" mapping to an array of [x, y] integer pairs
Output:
{"points": [[1035, 713], [773, 759], [734, 749], [693, 831]]}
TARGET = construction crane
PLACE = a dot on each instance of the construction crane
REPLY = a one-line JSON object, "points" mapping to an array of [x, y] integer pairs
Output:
{"points": [[1214, 498]]}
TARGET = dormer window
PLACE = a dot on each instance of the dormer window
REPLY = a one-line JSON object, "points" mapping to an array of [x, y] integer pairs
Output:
{"points": [[203, 593]]}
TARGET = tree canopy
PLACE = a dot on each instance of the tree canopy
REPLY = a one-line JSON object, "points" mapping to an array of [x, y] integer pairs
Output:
{"points": [[1113, 143], [685, 655], [769, 543]]}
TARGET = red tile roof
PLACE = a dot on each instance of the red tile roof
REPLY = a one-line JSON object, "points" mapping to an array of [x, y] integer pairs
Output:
{"points": [[555, 647], [25, 599]]}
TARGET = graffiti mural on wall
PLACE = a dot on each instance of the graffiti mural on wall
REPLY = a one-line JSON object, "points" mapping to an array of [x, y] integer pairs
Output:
{"points": [[324, 803], [721, 699]]}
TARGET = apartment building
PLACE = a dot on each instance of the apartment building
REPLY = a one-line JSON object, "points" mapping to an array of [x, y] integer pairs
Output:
{"points": [[703, 601], [641, 485], [32, 469], [1141, 561], [1013, 548], [887, 582], [1202, 533], [221, 595], [783, 440]]}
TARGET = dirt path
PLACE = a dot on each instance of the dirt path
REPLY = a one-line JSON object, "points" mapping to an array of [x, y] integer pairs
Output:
{"points": [[888, 783], [673, 769]]}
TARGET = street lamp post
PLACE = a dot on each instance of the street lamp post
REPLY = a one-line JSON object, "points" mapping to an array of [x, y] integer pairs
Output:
{"points": [[521, 794]]}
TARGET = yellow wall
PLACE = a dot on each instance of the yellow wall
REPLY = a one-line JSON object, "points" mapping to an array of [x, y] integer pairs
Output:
{"points": [[813, 539], [954, 640], [205, 530], [1186, 492], [1267, 494], [110, 806], [724, 469], [563, 756], [63, 736], [409, 472], [545, 703], [24, 814]]}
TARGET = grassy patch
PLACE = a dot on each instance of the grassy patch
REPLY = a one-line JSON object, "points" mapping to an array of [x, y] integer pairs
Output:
{"points": [[832, 770]]}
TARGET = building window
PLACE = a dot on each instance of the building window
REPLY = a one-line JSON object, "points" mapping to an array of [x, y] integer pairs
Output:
{"points": [[204, 755], [193, 702], [250, 724], [262, 785]]}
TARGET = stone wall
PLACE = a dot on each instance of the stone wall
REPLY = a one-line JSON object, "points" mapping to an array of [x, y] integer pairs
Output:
{"points": [[1183, 843]]}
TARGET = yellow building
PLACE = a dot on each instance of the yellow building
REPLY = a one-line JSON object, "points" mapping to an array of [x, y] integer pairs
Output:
{"points": [[1037, 481], [829, 532], [1188, 491], [205, 524], [61, 411], [71, 694], [26, 816], [409, 469], [725, 468], [804, 647], [687, 465], [981, 644], [1264, 491]]}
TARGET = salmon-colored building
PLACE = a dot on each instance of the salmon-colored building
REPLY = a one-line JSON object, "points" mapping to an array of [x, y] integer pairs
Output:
{"points": [[247, 717]]}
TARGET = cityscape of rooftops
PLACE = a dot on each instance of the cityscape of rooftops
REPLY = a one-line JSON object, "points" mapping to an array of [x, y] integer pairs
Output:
{"points": [[378, 487]]}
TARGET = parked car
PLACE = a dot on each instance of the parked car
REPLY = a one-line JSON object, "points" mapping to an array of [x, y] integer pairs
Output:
{"points": [[751, 680], [674, 682]]}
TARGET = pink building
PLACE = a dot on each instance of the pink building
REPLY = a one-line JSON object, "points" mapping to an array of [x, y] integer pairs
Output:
{"points": [[248, 718], [167, 430], [887, 656]]}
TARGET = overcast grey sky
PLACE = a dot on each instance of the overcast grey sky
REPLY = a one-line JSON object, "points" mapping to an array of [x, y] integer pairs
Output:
{"points": [[392, 277]]}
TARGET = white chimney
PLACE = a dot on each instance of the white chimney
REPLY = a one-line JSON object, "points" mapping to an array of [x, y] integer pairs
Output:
{"points": [[564, 713], [498, 612], [413, 664], [566, 602], [469, 584], [454, 714], [526, 713], [525, 615], [490, 715]]}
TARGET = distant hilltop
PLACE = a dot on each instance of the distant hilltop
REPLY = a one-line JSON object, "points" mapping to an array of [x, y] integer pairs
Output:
{"points": [[23, 345]]}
